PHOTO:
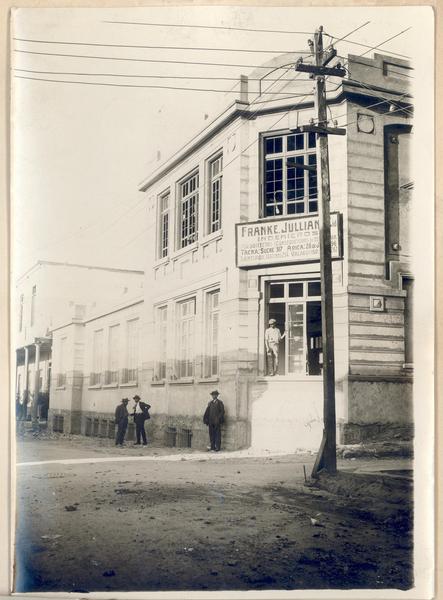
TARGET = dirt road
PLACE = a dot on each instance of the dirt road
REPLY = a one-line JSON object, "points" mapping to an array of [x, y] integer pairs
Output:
{"points": [[204, 524]]}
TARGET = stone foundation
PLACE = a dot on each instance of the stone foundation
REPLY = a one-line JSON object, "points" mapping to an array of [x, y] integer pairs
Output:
{"points": [[357, 433], [161, 430]]}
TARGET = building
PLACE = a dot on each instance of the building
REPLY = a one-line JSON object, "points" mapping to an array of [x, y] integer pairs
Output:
{"points": [[236, 244], [51, 294]]}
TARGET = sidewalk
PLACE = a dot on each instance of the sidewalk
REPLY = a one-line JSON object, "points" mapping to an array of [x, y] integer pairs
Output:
{"points": [[75, 449]]}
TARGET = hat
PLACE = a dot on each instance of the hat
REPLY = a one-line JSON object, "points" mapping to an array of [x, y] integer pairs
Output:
{"points": [[272, 321], [125, 399], [215, 393], [136, 397]]}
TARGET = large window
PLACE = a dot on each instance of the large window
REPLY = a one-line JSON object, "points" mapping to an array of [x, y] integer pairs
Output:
{"points": [[130, 372], [61, 376], [33, 300], [97, 358], [163, 226], [188, 211], [215, 193], [296, 308], [162, 331], [289, 189], [212, 328], [111, 374], [185, 338]]}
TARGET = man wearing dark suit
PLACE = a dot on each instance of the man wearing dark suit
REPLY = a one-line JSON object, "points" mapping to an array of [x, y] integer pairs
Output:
{"points": [[121, 420], [213, 418], [140, 414]]}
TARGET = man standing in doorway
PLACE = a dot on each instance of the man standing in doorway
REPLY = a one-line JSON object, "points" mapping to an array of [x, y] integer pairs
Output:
{"points": [[273, 338], [121, 420], [213, 418], [140, 414]]}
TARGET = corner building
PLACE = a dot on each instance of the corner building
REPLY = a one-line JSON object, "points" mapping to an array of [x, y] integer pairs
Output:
{"points": [[236, 243]]}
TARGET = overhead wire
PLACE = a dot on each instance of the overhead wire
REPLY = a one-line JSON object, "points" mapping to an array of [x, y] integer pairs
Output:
{"points": [[219, 27], [138, 75], [149, 60], [142, 46], [378, 46], [131, 85]]}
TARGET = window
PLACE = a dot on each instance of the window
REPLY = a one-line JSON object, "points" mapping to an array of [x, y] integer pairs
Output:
{"points": [[212, 327], [111, 374], [61, 377], [162, 319], [97, 358], [130, 372], [185, 338], [296, 307], [33, 299], [164, 225], [20, 316], [188, 211], [215, 193], [288, 189]]}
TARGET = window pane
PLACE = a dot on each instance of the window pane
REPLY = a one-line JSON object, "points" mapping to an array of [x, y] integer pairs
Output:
{"points": [[311, 140], [274, 145], [296, 359], [277, 290], [296, 290], [314, 338], [314, 288]]}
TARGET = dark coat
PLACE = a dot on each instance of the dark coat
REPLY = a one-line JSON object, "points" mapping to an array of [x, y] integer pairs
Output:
{"points": [[214, 413], [121, 413], [141, 417]]}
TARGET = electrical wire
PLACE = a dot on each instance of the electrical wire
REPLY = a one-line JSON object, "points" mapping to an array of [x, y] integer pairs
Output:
{"points": [[378, 46], [130, 85], [141, 46], [345, 58], [207, 27], [81, 74], [149, 60]]}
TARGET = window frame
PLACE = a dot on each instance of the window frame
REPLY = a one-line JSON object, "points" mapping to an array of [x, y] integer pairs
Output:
{"points": [[163, 250], [209, 341], [95, 378], [33, 301], [189, 358], [180, 200], [218, 178], [306, 152], [130, 369], [112, 375], [160, 371]]}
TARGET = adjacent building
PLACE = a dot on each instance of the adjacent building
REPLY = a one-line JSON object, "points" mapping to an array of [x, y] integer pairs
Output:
{"points": [[49, 295]]}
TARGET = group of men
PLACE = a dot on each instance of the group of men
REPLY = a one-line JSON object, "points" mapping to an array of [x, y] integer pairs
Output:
{"points": [[213, 417], [140, 413]]}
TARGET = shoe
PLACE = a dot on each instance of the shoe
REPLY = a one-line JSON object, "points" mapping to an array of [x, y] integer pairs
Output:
{"points": [[145, 443], [137, 444]]}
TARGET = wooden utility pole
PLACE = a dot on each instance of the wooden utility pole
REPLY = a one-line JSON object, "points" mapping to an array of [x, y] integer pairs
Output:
{"points": [[326, 457]]}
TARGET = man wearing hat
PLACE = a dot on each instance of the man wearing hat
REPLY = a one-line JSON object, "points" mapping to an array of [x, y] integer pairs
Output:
{"points": [[273, 338], [213, 418], [121, 420], [140, 414]]}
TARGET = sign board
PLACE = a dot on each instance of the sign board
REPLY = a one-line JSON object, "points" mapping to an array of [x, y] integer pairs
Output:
{"points": [[283, 241]]}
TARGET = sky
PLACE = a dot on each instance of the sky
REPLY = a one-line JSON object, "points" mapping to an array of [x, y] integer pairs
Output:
{"points": [[79, 151]]}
